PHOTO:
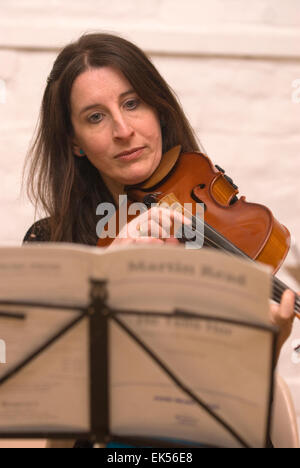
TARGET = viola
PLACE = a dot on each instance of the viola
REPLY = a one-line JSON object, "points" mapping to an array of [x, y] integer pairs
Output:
{"points": [[231, 224]]}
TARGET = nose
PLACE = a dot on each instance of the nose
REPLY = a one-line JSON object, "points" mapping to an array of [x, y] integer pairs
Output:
{"points": [[122, 127]]}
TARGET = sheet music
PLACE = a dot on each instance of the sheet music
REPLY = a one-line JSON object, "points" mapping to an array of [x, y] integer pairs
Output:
{"points": [[52, 392], [234, 362], [50, 274], [227, 366], [194, 279], [204, 281], [42, 396], [24, 336]]}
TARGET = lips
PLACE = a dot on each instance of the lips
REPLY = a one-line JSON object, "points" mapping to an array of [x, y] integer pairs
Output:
{"points": [[129, 152]]}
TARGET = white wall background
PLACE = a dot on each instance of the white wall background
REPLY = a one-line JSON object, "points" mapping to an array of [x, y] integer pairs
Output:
{"points": [[232, 63]]}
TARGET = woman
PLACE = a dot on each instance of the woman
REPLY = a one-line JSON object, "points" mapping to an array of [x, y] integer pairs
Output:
{"points": [[107, 118]]}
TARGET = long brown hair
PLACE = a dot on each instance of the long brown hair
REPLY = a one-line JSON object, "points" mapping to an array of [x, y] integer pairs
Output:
{"points": [[69, 188]]}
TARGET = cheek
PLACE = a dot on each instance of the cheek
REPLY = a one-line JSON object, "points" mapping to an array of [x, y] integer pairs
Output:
{"points": [[153, 129], [88, 137], [99, 152], [97, 145], [94, 146]]}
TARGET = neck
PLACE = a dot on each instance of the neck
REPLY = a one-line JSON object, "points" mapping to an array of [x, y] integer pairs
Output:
{"points": [[114, 187]]}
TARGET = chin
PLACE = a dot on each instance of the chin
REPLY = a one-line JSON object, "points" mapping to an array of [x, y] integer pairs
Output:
{"points": [[137, 179]]}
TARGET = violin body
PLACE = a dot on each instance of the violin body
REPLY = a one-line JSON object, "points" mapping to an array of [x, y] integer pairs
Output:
{"points": [[192, 178], [249, 226]]}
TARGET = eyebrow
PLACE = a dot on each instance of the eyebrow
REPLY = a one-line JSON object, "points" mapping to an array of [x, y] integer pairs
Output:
{"points": [[91, 106]]}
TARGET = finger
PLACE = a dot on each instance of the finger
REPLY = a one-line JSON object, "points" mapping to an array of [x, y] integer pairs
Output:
{"points": [[177, 217], [159, 223], [163, 217], [156, 223], [150, 229], [171, 220], [157, 230], [283, 314], [137, 227], [287, 305], [181, 218], [159, 216], [159, 213], [274, 313], [134, 228]]}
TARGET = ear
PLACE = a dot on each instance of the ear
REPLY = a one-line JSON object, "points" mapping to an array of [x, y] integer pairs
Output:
{"points": [[77, 150]]}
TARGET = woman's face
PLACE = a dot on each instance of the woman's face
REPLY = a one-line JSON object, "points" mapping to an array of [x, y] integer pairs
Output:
{"points": [[110, 119]]}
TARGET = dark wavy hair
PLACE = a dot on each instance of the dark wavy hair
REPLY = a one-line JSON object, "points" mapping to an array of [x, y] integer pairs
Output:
{"points": [[68, 188]]}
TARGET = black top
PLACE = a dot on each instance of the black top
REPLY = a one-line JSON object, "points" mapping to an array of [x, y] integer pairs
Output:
{"points": [[39, 232]]}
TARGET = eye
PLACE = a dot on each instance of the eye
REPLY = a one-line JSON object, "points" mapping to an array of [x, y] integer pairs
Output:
{"points": [[132, 104], [95, 118]]}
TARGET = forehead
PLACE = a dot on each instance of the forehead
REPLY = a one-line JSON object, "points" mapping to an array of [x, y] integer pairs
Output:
{"points": [[102, 84]]}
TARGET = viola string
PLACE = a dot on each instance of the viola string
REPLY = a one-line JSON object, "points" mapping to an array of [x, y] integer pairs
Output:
{"points": [[281, 287], [278, 294]]}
